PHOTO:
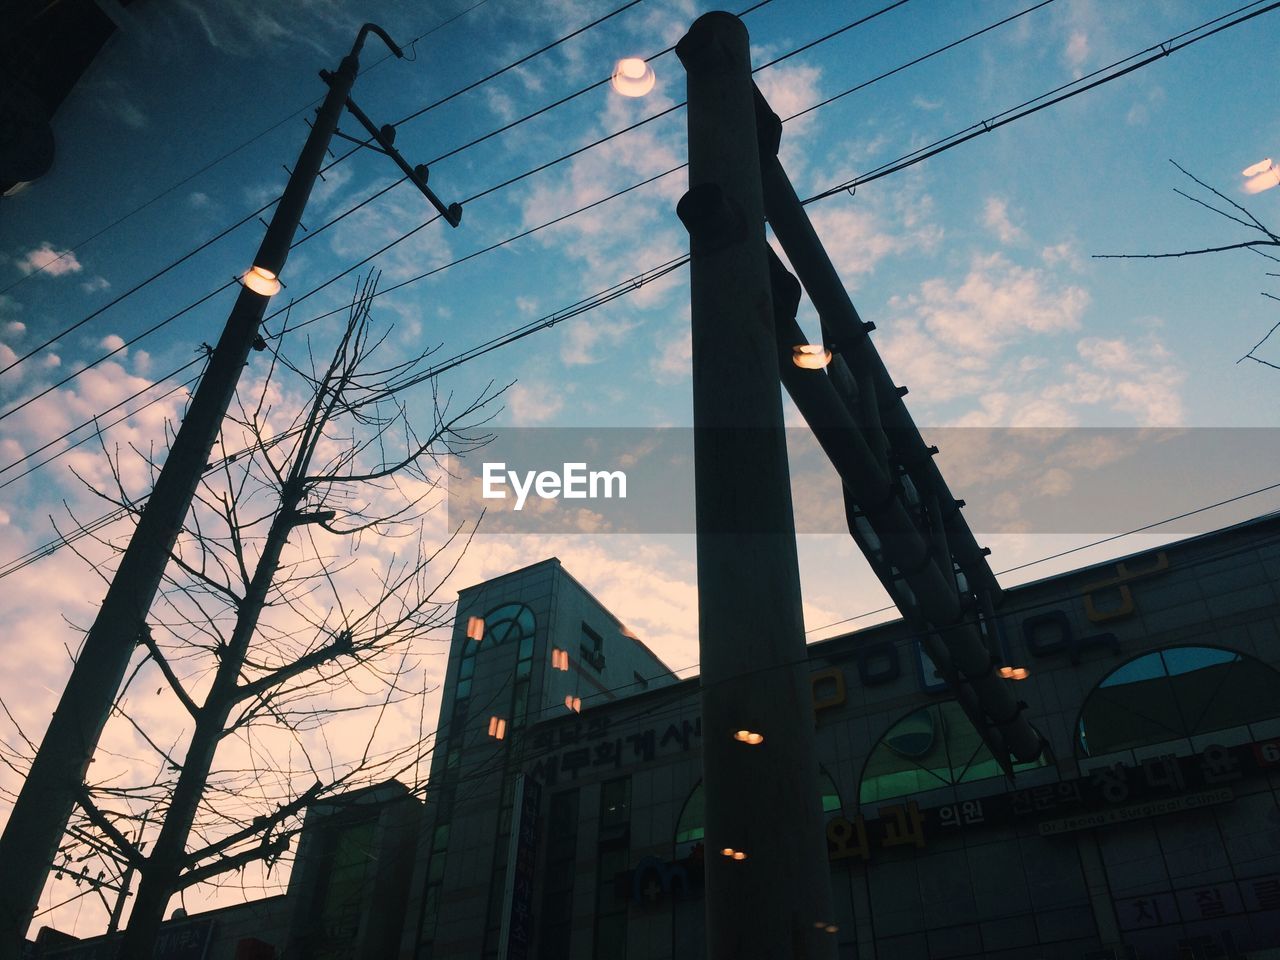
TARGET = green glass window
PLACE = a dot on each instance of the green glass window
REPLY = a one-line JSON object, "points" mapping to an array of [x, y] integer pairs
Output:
{"points": [[511, 622], [1176, 694], [936, 746]]}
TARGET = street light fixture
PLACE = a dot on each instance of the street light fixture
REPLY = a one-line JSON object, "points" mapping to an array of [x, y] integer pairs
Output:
{"points": [[261, 280], [632, 77], [810, 356], [1263, 175]]}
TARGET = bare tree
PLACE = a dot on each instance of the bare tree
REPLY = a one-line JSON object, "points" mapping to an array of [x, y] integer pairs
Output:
{"points": [[1262, 240], [272, 622]]}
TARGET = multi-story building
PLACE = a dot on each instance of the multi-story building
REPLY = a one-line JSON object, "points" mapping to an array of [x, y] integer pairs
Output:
{"points": [[564, 817]]}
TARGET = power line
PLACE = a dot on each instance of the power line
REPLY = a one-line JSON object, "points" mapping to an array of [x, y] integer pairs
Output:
{"points": [[1052, 97], [250, 216], [325, 226], [230, 153], [578, 308], [93, 420], [894, 166], [511, 66], [1086, 546]]}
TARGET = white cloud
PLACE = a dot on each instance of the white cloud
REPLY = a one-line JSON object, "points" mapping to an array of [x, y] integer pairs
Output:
{"points": [[1065, 253], [111, 341], [1076, 51], [996, 302], [15, 328], [590, 339], [530, 403], [45, 259], [988, 349], [96, 284], [995, 215]]}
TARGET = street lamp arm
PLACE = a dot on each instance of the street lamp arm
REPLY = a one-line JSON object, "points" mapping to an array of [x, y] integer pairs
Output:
{"points": [[386, 38]]}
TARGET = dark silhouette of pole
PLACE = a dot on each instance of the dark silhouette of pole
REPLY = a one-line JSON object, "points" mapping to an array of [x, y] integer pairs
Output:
{"points": [[44, 805], [768, 890]]}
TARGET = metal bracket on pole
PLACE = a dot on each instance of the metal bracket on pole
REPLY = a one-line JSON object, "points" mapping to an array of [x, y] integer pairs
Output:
{"points": [[385, 137]]}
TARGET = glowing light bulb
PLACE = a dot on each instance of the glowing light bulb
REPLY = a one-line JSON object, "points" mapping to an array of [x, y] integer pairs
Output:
{"points": [[632, 77], [1263, 175], [261, 280], [810, 356]]}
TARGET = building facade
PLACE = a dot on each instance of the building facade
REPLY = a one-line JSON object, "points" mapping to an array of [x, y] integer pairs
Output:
{"points": [[1149, 827], [563, 818]]}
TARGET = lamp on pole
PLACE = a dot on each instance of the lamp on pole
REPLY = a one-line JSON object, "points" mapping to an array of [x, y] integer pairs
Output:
{"points": [[43, 807]]}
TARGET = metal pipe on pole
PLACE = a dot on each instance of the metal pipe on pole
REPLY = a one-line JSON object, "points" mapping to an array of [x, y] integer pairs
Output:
{"points": [[926, 571], [44, 805], [768, 891]]}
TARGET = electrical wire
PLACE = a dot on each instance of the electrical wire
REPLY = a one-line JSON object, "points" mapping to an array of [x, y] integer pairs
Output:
{"points": [[1028, 107], [904, 639], [228, 154], [1085, 546], [902, 163], [330, 223], [93, 420], [608, 295], [256, 213]]}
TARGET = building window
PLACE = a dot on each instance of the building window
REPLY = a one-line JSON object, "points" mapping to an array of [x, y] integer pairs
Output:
{"points": [[556, 920], [509, 623], [829, 793], [592, 648], [1184, 697], [689, 828], [615, 803], [934, 747], [612, 863]]}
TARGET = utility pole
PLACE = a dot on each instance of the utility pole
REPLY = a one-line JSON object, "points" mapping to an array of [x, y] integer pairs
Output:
{"points": [[43, 808], [768, 888]]}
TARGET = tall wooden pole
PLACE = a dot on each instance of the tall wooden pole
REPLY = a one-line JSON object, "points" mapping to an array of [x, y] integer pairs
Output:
{"points": [[762, 798], [40, 814]]}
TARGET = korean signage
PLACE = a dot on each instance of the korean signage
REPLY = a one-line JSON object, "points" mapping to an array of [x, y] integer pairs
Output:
{"points": [[570, 748], [1107, 795], [1210, 901]]}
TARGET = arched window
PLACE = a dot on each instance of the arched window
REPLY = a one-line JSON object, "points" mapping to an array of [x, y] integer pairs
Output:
{"points": [[689, 832], [830, 794], [509, 623], [936, 746], [689, 828], [1186, 697]]}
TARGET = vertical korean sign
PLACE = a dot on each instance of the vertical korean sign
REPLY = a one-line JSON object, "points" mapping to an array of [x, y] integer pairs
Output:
{"points": [[522, 856]]}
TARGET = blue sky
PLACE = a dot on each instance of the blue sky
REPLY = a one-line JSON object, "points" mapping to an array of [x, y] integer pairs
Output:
{"points": [[975, 265]]}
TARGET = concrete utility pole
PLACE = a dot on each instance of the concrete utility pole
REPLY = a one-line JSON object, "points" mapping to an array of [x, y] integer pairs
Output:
{"points": [[768, 891], [43, 808]]}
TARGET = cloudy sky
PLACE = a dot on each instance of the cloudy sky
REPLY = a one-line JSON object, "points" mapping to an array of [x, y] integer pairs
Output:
{"points": [[977, 266]]}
